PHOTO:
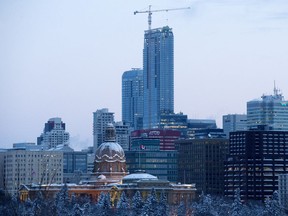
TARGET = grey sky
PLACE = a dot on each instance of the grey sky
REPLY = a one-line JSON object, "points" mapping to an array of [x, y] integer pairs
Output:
{"points": [[66, 58]]}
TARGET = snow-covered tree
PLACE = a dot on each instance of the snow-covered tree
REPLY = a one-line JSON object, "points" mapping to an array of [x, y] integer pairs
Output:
{"points": [[150, 206], [107, 201], [123, 205], [103, 206], [73, 200], [181, 210], [137, 203], [101, 198], [204, 207], [77, 210], [162, 209], [62, 201], [273, 206], [237, 207], [87, 209]]}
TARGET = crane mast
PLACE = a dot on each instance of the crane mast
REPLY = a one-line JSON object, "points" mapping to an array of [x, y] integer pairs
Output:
{"points": [[149, 11]]}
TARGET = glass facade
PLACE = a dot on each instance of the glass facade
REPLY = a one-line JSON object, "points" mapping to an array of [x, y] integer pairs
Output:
{"points": [[146, 155], [132, 97], [201, 161], [74, 161], [271, 111], [158, 71]]}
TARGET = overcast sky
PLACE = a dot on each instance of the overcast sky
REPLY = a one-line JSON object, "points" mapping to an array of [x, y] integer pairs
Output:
{"points": [[66, 58]]}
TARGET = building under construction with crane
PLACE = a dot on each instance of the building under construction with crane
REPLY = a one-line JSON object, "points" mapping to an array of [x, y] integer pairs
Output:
{"points": [[158, 72]]}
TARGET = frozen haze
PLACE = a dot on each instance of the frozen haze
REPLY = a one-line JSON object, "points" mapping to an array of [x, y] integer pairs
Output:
{"points": [[66, 58]]}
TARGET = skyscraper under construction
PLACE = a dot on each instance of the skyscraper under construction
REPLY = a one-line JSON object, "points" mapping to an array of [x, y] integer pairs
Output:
{"points": [[158, 72]]}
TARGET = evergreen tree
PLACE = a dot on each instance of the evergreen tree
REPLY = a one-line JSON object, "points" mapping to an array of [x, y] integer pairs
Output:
{"points": [[87, 209], [73, 200], [237, 207], [137, 203], [123, 205], [162, 209], [205, 206], [273, 206], [104, 205], [62, 201], [150, 206], [107, 201], [181, 210], [77, 210], [101, 200]]}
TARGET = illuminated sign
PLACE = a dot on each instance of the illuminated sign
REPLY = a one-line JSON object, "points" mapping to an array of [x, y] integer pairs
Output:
{"points": [[154, 133]]}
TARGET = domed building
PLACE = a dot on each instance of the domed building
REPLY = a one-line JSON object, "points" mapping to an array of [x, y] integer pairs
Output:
{"points": [[110, 161], [110, 176]]}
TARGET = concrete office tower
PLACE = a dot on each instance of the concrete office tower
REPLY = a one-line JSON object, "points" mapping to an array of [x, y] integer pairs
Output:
{"points": [[158, 71], [53, 134], [101, 118], [122, 135], [270, 110], [234, 122], [132, 98], [31, 167]]}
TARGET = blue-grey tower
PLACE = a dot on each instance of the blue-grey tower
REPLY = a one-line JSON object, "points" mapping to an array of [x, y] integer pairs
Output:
{"points": [[270, 111], [132, 98], [158, 72]]}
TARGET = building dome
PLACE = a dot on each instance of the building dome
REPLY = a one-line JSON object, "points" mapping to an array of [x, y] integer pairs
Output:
{"points": [[110, 157], [139, 176], [109, 152]]}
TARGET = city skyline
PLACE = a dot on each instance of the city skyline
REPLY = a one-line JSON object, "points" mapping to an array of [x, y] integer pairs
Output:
{"points": [[65, 59]]}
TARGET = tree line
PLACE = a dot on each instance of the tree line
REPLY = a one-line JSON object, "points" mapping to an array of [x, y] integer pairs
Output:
{"points": [[206, 205]]}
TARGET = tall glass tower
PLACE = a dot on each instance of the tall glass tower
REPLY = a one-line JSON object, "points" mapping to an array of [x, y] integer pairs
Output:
{"points": [[132, 98], [158, 72]]}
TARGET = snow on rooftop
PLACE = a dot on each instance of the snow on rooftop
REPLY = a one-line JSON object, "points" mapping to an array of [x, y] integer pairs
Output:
{"points": [[139, 176]]}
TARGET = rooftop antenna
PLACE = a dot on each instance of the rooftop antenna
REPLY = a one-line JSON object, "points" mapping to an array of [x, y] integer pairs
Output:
{"points": [[149, 11], [275, 89]]}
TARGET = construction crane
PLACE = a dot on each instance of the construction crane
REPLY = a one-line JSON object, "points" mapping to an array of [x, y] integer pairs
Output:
{"points": [[152, 11]]}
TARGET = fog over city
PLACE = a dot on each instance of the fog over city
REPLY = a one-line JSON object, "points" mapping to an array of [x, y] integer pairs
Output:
{"points": [[66, 58]]}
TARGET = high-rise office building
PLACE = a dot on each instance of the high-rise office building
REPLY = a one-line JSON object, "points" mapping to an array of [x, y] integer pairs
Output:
{"points": [[256, 159], [101, 118], [122, 135], [145, 154], [201, 161], [167, 137], [132, 98], [270, 110], [283, 190], [53, 134], [158, 71], [195, 125], [234, 122]]}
